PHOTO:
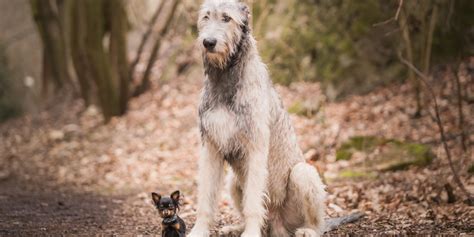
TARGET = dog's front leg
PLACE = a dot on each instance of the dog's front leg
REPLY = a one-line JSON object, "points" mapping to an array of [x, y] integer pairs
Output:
{"points": [[254, 210], [211, 169]]}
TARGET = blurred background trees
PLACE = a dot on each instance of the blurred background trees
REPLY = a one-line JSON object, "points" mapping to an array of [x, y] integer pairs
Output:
{"points": [[91, 35], [352, 46], [348, 46], [85, 51]]}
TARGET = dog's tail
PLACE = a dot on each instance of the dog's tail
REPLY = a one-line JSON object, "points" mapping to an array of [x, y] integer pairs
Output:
{"points": [[333, 223]]}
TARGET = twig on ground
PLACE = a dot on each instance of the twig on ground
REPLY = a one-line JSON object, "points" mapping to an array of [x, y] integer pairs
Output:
{"points": [[424, 79]]}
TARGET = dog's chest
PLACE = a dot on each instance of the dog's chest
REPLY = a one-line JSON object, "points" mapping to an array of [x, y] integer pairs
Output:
{"points": [[219, 126]]}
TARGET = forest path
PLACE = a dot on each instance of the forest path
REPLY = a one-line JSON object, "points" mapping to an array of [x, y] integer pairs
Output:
{"points": [[63, 172], [34, 210]]}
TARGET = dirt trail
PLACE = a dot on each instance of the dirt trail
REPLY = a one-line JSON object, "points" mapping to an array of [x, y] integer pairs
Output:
{"points": [[67, 173], [30, 210]]}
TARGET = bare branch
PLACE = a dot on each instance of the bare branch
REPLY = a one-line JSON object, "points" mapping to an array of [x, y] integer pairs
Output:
{"points": [[424, 79], [394, 18], [400, 4], [460, 111], [383, 22], [145, 38], [145, 83]]}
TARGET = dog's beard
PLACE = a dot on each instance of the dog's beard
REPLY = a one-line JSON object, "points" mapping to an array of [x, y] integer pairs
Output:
{"points": [[221, 57], [216, 59]]}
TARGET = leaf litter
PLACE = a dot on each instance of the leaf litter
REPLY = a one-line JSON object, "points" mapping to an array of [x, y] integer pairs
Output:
{"points": [[66, 151]]}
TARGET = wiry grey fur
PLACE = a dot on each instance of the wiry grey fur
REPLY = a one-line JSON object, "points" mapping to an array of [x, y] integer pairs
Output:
{"points": [[243, 123]]}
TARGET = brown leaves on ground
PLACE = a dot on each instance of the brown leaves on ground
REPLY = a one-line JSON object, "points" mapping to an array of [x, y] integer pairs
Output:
{"points": [[156, 145]]}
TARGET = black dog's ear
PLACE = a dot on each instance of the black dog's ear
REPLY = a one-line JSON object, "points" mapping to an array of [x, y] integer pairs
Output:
{"points": [[175, 196], [156, 198]]}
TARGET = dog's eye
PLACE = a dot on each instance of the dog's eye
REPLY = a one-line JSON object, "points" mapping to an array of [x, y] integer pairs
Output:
{"points": [[205, 18], [226, 18]]}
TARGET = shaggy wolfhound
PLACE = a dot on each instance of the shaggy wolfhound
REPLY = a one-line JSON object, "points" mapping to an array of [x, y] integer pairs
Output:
{"points": [[243, 123]]}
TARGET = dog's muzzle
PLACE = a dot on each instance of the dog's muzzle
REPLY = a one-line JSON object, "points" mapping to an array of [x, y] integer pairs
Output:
{"points": [[209, 43]]}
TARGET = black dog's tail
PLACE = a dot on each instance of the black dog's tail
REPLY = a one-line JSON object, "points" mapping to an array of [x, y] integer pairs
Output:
{"points": [[333, 223]]}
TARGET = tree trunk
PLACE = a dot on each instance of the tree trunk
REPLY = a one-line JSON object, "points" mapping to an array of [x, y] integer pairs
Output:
{"points": [[404, 25], [118, 49], [54, 49], [91, 58], [76, 29], [78, 46]]}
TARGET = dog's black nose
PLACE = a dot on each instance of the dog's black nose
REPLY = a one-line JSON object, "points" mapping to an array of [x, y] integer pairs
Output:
{"points": [[210, 43]]}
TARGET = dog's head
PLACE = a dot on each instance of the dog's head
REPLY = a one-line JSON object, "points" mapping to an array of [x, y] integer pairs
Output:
{"points": [[167, 206], [222, 24]]}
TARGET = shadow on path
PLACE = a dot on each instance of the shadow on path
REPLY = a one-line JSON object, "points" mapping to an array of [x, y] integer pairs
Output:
{"points": [[27, 209]]}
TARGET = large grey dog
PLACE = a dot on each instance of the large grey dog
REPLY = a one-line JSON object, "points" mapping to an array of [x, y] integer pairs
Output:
{"points": [[243, 123]]}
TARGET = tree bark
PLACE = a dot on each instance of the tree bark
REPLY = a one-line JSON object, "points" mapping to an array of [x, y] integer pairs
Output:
{"points": [[91, 58], [118, 49], [45, 15], [77, 41]]}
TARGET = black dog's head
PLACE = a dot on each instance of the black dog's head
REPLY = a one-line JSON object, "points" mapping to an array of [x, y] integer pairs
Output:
{"points": [[167, 206]]}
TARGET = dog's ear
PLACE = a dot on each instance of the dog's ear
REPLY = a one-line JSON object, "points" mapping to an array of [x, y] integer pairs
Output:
{"points": [[156, 198], [245, 11], [175, 196]]}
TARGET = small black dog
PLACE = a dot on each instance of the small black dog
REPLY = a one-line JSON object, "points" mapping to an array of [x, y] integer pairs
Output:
{"points": [[172, 225]]}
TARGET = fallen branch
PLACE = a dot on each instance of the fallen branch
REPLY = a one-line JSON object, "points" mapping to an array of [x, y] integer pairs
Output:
{"points": [[424, 80]]}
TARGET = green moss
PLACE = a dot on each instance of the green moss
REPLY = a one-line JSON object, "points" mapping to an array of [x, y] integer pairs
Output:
{"points": [[421, 153], [356, 174], [303, 109], [296, 108], [363, 143], [358, 143], [404, 154], [343, 154], [392, 154]]}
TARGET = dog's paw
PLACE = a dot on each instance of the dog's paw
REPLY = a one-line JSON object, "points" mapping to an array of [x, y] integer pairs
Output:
{"points": [[306, 232], [199, 232], [248, 233], [231, 231]]}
